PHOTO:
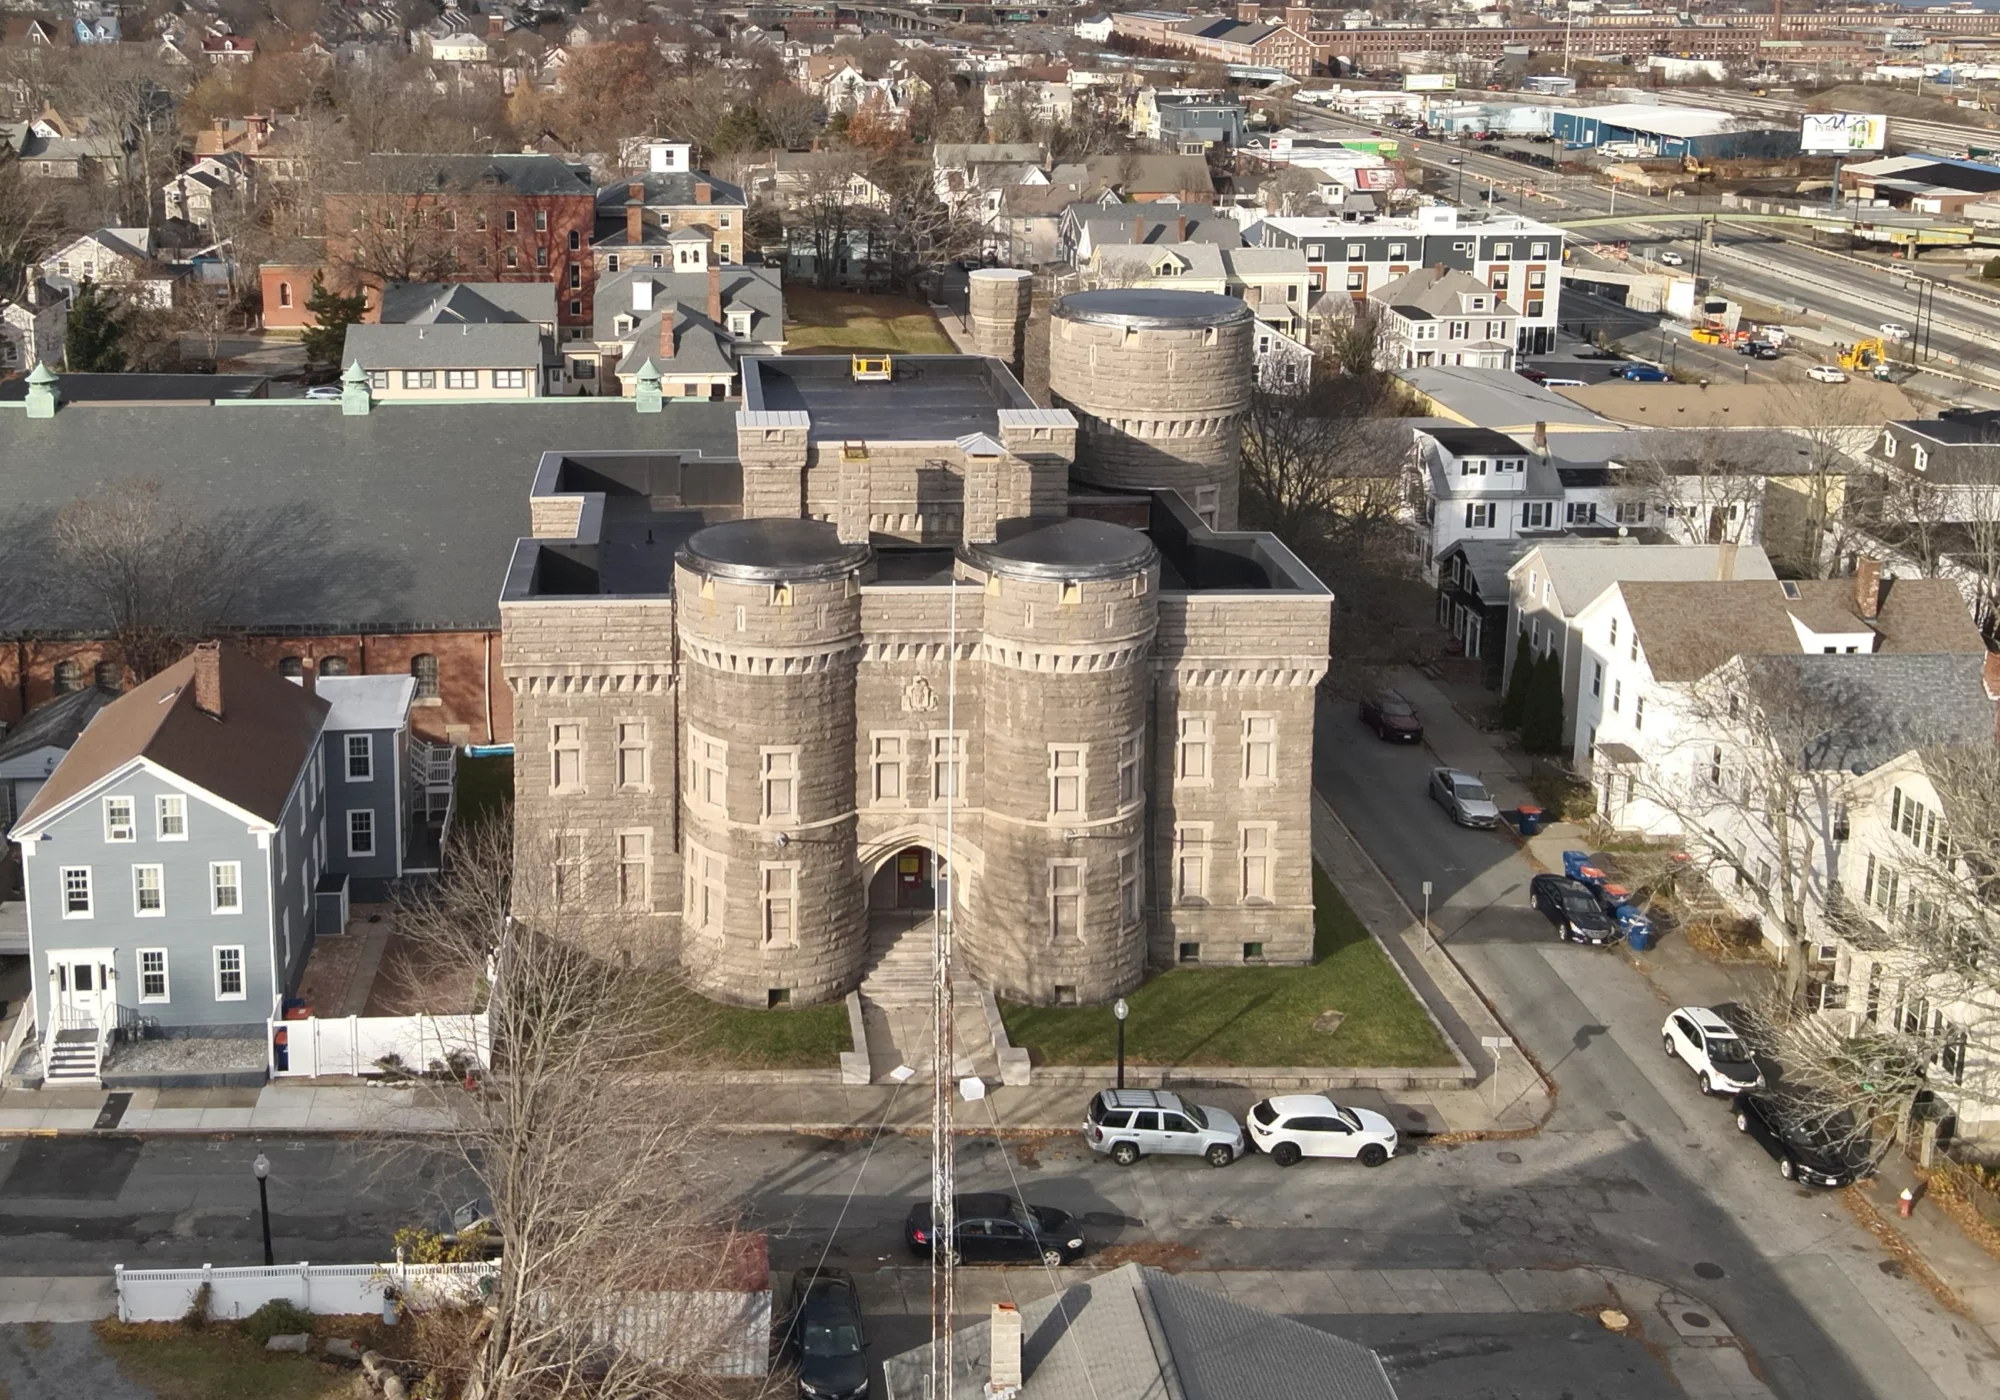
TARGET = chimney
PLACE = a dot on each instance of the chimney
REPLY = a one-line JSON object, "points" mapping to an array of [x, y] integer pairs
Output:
{"points": [[1138, 229], [667, 333], [1180, 228], [642, 294], [1725, 561], [1541, 436], [715, 293], [309, 676], [1247, 11], [635, 213], [1867, 586], [701, 191], [1004, 1342], [1437, 270], [496, 25], [208, 678]]}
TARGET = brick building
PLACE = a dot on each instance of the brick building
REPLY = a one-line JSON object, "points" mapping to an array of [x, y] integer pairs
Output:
{"points": [[472, 218], [908, 637]]}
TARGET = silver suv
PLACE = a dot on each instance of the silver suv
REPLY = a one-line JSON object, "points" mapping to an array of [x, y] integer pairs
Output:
{"points": [[1127, 1124]]}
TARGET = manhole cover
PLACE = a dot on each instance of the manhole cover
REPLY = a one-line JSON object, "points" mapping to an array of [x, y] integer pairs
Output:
{"points": [[1695, 1319], [1707, 1270], [1512, 1159], [1614, 1115]]}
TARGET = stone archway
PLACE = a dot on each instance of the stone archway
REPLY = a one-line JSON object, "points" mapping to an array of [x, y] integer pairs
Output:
{"points": [[907, 873]]}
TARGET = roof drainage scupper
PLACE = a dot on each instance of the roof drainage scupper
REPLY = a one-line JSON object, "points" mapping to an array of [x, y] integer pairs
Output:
{"points": [[772, 548], [1073, 548], [1144, 309]]}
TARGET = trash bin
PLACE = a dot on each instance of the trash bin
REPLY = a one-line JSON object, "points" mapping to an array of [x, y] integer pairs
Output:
{"points": [[1574, 861], [1640, 938], [1530, 819], [281, 1052]]}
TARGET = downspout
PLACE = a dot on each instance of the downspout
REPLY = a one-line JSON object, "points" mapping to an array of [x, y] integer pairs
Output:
{"points": [[486, 680]]}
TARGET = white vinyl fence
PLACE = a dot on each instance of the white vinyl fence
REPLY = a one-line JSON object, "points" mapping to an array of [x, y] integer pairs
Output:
{"points": [[320, 1045], [164, 1295]]}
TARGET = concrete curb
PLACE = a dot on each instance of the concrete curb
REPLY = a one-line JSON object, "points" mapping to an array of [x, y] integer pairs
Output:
{"points": [[1260, 1077]]}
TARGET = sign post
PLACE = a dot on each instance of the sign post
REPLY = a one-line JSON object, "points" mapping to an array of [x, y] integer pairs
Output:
{"points": [[1496, 1044]]}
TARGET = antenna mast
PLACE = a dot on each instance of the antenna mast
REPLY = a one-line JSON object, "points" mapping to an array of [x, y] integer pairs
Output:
{"points": [[944, 1223]]}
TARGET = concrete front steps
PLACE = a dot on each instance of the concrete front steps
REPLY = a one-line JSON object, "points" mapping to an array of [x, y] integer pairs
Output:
{"points": [[896, 1005]]}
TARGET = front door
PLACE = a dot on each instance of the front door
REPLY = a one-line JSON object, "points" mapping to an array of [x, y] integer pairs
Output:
{"points": [[80, 985]]}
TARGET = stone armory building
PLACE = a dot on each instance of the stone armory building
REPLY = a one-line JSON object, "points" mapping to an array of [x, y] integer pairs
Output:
{"points": [[919, 634]]}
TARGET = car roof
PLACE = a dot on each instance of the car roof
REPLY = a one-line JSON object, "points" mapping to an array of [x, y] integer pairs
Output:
{"points": [[1288, 1104], [1708, 1020], [1457, 775], [1565, 882], [1140, 1098]]}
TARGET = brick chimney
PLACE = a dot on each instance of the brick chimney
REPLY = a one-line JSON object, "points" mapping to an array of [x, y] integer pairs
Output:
{"points": [[208, 678], [1180, 228], [1138, 228], [701, 192], [496, 26], [635, 213], [1004, 1346], [1247, 11], [1541, 436], [1867, 586], [667, 332], [715, 293]]}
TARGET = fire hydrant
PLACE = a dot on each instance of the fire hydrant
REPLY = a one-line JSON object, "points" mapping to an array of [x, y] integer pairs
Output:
{"points": [[1906, 1202]]}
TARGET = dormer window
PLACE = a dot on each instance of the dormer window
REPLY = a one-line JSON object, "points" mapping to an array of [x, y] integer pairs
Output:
{"points": [[1479, 303], [622, 326], [739, 324]]}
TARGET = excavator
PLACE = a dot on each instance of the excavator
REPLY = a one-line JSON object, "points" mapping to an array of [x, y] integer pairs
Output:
{"points": [[1870, 354]]}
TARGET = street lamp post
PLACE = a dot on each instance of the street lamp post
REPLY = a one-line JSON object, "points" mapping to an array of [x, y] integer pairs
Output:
{"points": [[1427, 915], [1121, 1011], [262, 1166]]}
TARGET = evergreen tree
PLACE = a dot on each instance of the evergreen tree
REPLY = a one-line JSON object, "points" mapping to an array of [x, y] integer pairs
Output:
{"points": [[1517, 684], [1542, 712], [95, 343], [332, 315]]}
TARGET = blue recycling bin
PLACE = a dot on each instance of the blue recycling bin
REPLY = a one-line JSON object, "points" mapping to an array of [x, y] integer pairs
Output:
{"points": [[1640, 936], [1530, 819], [1573, 861]]}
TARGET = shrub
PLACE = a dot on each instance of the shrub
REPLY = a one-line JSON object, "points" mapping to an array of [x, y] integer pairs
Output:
{"points": [[195, 1319], [1991, 270], [277, 1318]]}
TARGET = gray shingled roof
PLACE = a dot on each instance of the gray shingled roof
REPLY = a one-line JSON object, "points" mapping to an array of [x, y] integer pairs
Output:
{"points": [[757, 288], [668, 190], [523, 174], [511, 345], [428, 303], [400, 520], [1582, 569], [1869, 710], [1140, 1334]]}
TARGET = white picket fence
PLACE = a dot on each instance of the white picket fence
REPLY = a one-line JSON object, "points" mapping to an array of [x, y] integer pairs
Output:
{"points": [[163, 1295], [351, 1045]]}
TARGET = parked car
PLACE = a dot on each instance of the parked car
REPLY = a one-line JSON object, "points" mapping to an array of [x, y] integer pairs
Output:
{"points": [[1127, 1124], [1644, 374], [1672, 259], [322, 391], [1292, 1126], [1555, 382], [825, 1337], [1456, 160], [1534, 375], [1573, 908], [1392, 717], [1893, 330], [1811, 1154], [472, 1224], [1710, 1047], [1463, 797], [992, 1227], [1827, 374]]}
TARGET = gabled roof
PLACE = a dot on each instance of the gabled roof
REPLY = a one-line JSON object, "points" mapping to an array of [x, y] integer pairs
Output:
{"points": [[667, 189], [510, 345], [249, 757], [522, 174], [1439, 292], [1579, 570], [474, 303], [1195, 259], [56, 724], [1872, 709], [754, 288]]}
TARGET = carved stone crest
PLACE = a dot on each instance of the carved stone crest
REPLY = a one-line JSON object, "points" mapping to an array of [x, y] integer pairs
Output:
{"points": [[918, 695]]}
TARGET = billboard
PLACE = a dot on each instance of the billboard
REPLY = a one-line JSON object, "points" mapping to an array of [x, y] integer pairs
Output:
{"points": [[1838, 133], [1430, 82]]}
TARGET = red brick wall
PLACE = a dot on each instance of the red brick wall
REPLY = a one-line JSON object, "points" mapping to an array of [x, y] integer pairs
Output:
{"points": [[274, 278], [473, 704]]}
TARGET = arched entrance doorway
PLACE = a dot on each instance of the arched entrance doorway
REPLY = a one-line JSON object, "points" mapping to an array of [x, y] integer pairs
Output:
{"points": [[909, 880]]}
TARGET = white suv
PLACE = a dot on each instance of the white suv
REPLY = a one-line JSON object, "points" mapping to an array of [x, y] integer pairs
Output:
{"points": [[1710, 1047], [1292, 1126], [1127, 1124]]}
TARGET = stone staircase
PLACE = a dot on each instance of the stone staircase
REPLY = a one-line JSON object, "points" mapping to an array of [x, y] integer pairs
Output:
{"points": [[72, 1060], [896, 1004]]}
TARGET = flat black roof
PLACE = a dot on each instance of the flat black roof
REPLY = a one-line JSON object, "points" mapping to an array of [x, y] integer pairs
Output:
{"points": [[145, 388], [1460, 441], [929, 398], [1148, 309]]}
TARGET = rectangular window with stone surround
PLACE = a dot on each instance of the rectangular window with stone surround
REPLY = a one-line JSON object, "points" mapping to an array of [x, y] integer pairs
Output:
{"points": [[887, 761], [1065, 900], [780, 784], [1192, 758], [1066, 780], [1257, 852], [635, 869], [1191, 862], [705, 872], [565, 757], [780, 899], [635, 757], [1128, 887], [566, 867], [708, 770], [947, 763], [1130, 785], [1260, 750]]}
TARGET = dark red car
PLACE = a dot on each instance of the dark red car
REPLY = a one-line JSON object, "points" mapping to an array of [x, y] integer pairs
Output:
{"points": [[1392, 717]]}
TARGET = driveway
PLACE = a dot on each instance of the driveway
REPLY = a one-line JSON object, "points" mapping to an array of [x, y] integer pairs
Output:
{"points": [[1640, 1172]]}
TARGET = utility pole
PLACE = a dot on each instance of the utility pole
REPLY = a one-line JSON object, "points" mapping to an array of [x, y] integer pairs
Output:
{"points": [[944, 1183]]}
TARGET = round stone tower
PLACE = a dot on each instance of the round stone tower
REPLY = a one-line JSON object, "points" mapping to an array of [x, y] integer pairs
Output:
{"points": [[768, 613], [998, 299], [1159, 383], [1064, 670]]}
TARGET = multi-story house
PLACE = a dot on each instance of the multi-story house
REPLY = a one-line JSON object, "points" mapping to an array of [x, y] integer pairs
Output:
{"points": [[1441, 316], [194, 193], [636, 216], [692, 325], [110, 257], [1937, 509], [1086, 225], [463, 361], [471, 218], [33, 326], [1518, 259]]}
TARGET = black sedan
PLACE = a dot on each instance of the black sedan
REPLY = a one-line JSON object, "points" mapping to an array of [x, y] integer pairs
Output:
{"points": [[824, 1335], [1810, 1153], [993, 1227], [1573, 909], [1392, 717]]}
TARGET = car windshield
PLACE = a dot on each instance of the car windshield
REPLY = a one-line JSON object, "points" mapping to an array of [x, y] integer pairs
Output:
{"points": [[1575, 900], [831, 1339], [1401, 709], [1349, 1117], [1727, 1050], [1469, 792], [1195, 1115]]}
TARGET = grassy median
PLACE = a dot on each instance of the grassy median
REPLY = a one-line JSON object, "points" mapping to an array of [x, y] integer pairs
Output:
{"points": [[1253, 1015]]}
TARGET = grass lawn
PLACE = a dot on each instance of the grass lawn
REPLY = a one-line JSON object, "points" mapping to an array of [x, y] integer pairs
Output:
{"points": [[822, 322], [735, 1037], [217, 1363], [485, 788], [1253, 1015]]}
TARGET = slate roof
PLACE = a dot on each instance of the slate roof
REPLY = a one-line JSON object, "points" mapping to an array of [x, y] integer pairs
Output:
{"points": [[56, 724], [1876, 708], [1143, 174], [511, 345], [1969, 429], [1580, 571], [668, 189], [429, 303], [1460, 442], [250, 756], [1136, 259], [1192, 223], [402, 519], [1139, 1334], [523, 174], [758, 288]]}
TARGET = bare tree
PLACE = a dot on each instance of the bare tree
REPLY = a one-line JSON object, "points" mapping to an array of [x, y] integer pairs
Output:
{"points": [[28, 223], [1313, 469], [1706, 485], [583, 1141], [158, 575], [791, 115]]}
